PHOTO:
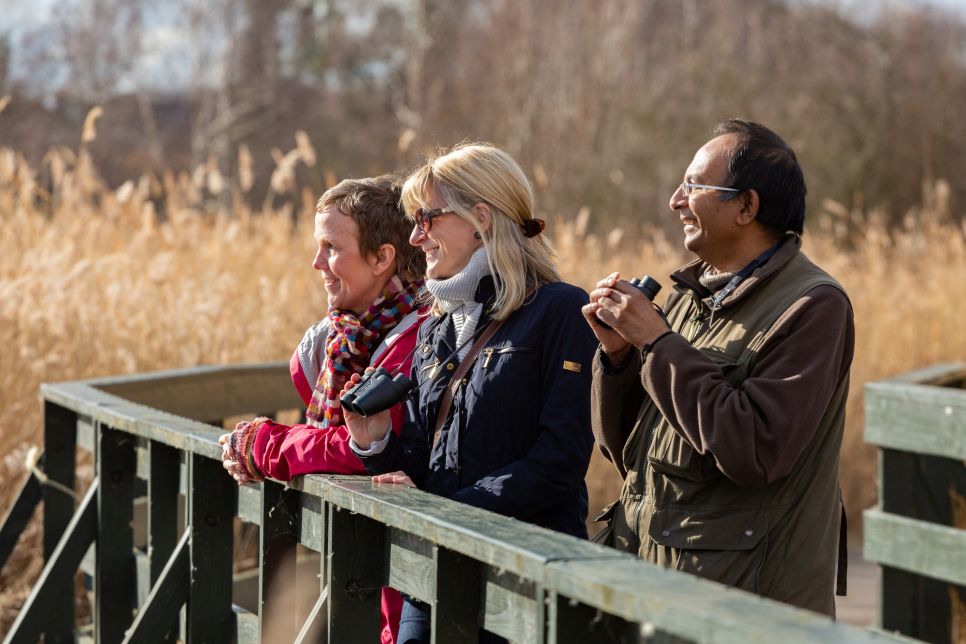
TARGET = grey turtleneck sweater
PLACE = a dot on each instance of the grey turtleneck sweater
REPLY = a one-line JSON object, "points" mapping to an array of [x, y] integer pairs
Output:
{"points": [[455, 296]]}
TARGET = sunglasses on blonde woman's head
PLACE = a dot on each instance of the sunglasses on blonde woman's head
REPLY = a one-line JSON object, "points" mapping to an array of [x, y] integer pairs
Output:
{"points": [[424, 217]]}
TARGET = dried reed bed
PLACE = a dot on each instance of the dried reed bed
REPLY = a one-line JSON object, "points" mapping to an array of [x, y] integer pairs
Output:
{"points": [[96, 282]]}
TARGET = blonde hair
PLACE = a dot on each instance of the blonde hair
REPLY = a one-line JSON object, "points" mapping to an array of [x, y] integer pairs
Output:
{"points": [[470, 174]]}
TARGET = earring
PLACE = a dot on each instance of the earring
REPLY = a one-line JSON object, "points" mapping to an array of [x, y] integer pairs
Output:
{"points": [[477, 235]]}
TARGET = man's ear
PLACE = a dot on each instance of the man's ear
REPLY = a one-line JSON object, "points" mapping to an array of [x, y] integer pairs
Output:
{"points": [[749, 207], [384, 259], [483, 215]]}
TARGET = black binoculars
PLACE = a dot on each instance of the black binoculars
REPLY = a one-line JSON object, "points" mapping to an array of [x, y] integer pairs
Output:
{"points": [[646, 285], [376, 392]]}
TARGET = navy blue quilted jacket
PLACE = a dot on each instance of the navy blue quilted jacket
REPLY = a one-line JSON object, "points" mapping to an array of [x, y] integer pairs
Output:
{"points": [[517, 440]]}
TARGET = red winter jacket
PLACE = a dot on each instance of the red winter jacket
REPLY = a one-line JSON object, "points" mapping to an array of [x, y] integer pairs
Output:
{"points": [[285, 451]]}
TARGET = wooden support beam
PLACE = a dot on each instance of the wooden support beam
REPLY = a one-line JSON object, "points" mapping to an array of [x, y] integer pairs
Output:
{"points": [[356, 554], [35, 617], [60, 460], [115, 579], [457, 611], [18, 516], [157, 621], [313, 630], [572, 622], [163, 486], [278, 541], [211, 508]]}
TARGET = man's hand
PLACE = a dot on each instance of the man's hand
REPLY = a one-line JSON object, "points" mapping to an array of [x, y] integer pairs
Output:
{"points": [[628, 312], [364, 430], [612, 342]]}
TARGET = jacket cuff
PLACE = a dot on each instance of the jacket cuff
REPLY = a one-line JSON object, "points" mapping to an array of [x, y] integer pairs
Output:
{"points": [[646, 349], [377, 462], [262, 434], [376, 447], [604, 367], [607, 367]]}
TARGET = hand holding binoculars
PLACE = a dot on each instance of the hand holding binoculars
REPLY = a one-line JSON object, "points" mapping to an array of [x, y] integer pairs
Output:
{"points": [[646, 285], [376, 392]]}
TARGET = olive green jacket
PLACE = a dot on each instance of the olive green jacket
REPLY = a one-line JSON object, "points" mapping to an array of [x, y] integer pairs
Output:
{"points": [[728, 437]]}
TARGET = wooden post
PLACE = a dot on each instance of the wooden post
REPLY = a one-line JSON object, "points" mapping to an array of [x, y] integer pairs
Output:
{"points": [[115, 574], [211, 508], [915, 486], [163, 488], [456, 615], [60, 460], [59, 573], [356, 553], [18, 516], [278, 540]]}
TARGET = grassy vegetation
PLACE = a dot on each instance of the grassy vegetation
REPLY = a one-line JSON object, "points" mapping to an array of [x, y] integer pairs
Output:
{"points": [[149, 276]]}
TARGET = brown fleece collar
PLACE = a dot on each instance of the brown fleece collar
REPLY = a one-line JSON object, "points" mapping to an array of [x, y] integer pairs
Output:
{"points": [[689, 275]]}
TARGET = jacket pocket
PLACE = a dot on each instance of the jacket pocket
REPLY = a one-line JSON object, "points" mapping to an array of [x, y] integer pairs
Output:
{"points": [[705, 529], [671, 454]]}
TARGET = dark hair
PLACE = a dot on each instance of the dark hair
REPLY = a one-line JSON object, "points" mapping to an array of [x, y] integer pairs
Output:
{"points": [[763, 162], [375, 205]]}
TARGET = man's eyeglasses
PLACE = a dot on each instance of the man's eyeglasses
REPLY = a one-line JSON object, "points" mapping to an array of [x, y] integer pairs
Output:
{"points": [[687, 187], [424, 217]]}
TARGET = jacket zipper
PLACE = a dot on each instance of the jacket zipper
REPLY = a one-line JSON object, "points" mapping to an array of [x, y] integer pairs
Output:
{"points": [[489, 351], [640, 504]]}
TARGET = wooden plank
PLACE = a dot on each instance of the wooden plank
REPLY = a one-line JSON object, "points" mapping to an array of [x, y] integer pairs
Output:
{"points": [[921, 419], [897, 608], [142, 573], [517, 547], [916, 546], [355, 574], [511, 609], [278, 540], [456, 616], [412, 568], [938, 375], [115, 578], [313, 630], [86, 436], [157, 620], [312, 530], [246, 626], [691, 608], [249, 505], [58, 574], [19, 515], [60, 459], [136, 419], [163, 483], [204, 393], [211, 506], [571, 622]]}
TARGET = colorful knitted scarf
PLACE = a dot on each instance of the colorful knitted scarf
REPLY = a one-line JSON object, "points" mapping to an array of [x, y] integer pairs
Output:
{"points": [[350, 343]]}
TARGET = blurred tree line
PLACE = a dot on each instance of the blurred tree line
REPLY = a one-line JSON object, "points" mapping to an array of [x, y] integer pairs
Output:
{"points": [[603, 101]]}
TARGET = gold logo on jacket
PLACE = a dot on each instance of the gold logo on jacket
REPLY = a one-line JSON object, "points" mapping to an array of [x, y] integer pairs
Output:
{"points": [[572, 366]]}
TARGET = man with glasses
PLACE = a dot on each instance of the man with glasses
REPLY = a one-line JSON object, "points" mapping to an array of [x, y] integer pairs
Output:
{"points": [[726, 419]]}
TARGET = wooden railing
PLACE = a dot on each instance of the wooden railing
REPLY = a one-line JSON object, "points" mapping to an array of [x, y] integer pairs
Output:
{"points": [[473, 567], [916, 533]]}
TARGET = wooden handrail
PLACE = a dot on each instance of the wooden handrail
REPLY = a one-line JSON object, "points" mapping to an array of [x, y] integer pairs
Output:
{"points": [[532, 585]]}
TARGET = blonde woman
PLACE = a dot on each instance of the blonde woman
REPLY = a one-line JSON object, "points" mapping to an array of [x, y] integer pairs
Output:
{"points": [[508, 341]]}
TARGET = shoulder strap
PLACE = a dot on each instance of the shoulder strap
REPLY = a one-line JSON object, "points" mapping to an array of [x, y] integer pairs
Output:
{"points": [[461, 371]]}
